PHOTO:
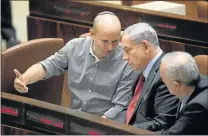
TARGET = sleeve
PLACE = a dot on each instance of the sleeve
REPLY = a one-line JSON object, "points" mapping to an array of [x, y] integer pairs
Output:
{"points": [[123, 94], [57, 64], [193, 116], [165, 109]]}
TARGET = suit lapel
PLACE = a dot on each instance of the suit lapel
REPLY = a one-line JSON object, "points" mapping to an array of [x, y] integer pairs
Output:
{"points": [[196, 91], [178, 110], [190, 98], [148, 81]]}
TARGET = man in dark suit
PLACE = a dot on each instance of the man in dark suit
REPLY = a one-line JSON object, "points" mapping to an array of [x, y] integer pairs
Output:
{"points": [[183, 80], [152, 106]]}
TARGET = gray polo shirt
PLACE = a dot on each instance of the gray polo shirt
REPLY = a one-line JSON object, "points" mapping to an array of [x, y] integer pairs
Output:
{"points": [[98, 87]]}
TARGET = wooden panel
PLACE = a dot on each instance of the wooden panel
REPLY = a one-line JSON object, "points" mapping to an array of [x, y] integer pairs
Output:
{"points": [[66, 93], [194, 50], [9, 130], [48, 118], [42, 28], [69, 19], [191, 6], [68, 31], [81, 12], [202, 9]]}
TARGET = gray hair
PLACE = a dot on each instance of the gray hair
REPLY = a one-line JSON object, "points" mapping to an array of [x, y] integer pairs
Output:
{"points": [[181, 67], [142, 31]]}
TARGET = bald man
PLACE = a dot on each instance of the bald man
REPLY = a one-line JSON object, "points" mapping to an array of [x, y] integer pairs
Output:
{"points": [[100, 81]]}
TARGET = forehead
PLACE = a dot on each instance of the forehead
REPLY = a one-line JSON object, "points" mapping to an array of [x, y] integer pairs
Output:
{"points": [[107, 29], [127, 42], [108, 35], [162, 71], [162, 67]]}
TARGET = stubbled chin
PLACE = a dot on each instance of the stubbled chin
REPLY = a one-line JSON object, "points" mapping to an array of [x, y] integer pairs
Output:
{"points": [[136, 68], [133, 68]]}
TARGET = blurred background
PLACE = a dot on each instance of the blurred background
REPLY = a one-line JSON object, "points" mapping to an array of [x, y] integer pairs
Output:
{"points": [[20, 10], [191, 9]]}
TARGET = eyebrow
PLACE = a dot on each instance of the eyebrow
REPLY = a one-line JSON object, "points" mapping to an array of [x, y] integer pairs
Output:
{"points": [[115, 40], [125, 47], [112, 41]]}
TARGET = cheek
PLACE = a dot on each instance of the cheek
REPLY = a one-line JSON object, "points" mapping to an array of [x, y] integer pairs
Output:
{"points": [[115, 45], [171, 89], [100, 45], [143, 61], [135, 58]]}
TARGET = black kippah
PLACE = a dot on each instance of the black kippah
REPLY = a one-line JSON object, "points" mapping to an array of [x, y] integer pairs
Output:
{"points": [[106, 12]]}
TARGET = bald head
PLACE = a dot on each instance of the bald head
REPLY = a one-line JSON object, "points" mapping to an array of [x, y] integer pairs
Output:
{"points": [[106, 21], [180, 66]]}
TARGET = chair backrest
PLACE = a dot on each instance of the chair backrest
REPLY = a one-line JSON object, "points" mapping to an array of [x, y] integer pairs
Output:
{"points": [[21, 57], [202, 63], [202, 9], [66, 92]]}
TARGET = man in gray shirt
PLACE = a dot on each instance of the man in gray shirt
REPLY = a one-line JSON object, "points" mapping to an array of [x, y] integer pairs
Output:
{"points": [[99, 79]]}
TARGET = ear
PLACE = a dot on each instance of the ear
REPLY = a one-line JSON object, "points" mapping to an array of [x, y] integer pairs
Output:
{"points": [[176, 84], [91, 31], [146, 46]]}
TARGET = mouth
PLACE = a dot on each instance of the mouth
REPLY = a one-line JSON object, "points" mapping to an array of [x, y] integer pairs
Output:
{"points": [[107, 52]]}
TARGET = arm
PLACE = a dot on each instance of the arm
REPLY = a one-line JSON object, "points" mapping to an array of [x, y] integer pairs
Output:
{"points": [[123, 92], [194, 115], [33, 74], [54, 65], [165, 108]]}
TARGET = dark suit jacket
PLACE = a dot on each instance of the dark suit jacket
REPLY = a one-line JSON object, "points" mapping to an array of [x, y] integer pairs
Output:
{"points": [[156, 108], [193, 117]]}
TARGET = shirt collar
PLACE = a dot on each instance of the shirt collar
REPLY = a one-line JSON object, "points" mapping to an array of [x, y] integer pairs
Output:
{"points": [[150, 65], [96, 58], [92, 53], [185, 99]]}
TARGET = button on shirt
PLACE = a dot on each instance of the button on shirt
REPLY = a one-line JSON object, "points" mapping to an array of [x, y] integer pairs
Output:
{"points": [[98, 87]]}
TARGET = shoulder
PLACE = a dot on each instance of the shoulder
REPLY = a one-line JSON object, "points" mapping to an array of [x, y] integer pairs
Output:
{"points": [[77, 44], [201, 99], [202, 94], [158, 79], [203, 83], [159, 86]]}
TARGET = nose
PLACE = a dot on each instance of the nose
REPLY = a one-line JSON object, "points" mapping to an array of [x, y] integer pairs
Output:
{"points": [[110, 47], [125, 56]]}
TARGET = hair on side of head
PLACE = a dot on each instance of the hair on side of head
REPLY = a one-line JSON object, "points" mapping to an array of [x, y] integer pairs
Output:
{"points": [[181, 67], [142, 31]]}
